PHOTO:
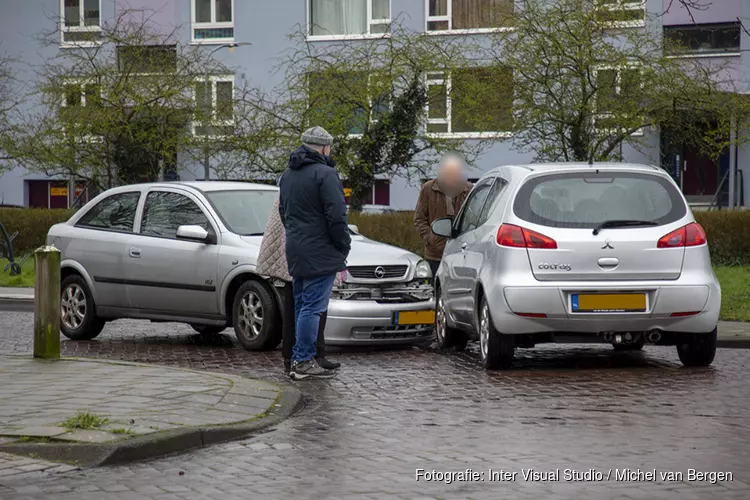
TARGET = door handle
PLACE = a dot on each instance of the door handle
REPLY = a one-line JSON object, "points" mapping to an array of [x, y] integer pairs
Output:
{"points": [[135, 253]]}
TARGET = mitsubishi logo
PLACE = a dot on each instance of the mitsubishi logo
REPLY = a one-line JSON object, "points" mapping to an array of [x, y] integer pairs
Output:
{"points": [[607, 245], [379, 272]]}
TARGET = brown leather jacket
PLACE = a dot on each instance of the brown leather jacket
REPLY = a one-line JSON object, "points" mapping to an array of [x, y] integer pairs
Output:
{"points": [[431, 205]]}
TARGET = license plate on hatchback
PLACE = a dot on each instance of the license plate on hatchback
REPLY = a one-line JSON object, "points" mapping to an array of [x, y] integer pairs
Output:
{"points": [[414, 317], [608, 302]]}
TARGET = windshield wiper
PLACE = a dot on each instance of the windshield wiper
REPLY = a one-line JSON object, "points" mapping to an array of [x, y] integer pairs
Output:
{"points": [[610, 224], [253, 234]]}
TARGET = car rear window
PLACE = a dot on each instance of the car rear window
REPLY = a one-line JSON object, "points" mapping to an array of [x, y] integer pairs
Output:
{"points": [[586, 199]]}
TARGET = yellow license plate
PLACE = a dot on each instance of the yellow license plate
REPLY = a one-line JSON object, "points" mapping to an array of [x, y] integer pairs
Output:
{"points": [[608, 302], [415, 317]]}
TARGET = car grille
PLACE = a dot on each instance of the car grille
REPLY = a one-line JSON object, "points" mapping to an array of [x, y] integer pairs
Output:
{"points": [[374, 272], [393, 332]]}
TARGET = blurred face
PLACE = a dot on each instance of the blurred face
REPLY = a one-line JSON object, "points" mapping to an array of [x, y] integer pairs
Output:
{"points": [[451, 174]]}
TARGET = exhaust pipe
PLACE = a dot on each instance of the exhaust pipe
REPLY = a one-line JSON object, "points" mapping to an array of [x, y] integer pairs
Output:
{"points": [[654, 336]]}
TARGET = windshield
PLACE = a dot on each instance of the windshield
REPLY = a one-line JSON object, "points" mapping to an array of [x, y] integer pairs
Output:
{"points": [[587, 199], [244, 212]]}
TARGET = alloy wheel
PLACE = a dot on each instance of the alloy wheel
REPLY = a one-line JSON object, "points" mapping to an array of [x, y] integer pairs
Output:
{"points": [[251, 315], [484, 330], [73, 306], [440, 323]]}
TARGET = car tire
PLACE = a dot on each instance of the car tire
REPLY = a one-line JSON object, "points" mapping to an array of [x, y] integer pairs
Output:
{"points": [[255, 316], [78, 320], [635, 346], [207, 329], [697, 349], [447, 337], [496, 349]]}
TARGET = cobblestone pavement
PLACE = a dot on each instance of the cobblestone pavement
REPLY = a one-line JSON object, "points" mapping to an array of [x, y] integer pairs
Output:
{"points": [[364, 434]]}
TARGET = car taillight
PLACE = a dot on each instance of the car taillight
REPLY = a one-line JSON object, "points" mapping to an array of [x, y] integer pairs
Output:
{"points": [[510, 235], [687, 236]]}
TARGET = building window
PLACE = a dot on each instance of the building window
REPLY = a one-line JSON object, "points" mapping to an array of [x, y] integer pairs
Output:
{"points": [[703, 39], [147, 59], [213, 21], [469, 15], [454, 107], [347, 18], [214, 106], [616, 94], [625, 13], [81, 22]]}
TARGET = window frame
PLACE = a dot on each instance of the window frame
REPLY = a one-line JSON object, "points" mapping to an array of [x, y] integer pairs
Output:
{"points": [[81, 84], [353, 36], [213, 24], [628, 5], [81, 28], [618, 79], [447, 81], [213, 80], [136, 218], [142, 213], [698, 54], [449, 19]]}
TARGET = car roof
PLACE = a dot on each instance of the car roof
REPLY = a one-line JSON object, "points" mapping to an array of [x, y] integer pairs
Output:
{"points": [[204, 186], [572, 166]]}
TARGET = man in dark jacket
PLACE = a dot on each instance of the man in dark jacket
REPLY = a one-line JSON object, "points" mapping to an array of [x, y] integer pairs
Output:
{"points": [[313, 211]]}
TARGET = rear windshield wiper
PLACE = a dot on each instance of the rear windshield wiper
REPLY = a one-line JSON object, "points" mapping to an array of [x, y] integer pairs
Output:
{"points": [[609, 224]]}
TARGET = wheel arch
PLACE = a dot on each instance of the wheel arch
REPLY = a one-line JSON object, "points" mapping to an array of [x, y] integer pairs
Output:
{"points": [[478, 296], [71, 267], [234, 281]]}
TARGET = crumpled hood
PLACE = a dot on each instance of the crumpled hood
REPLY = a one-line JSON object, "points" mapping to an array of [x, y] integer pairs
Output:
{"points": [[367, 252], [303, 156]]}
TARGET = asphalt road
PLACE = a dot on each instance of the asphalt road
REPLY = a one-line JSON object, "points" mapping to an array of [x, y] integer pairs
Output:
{"points": [[601, 423]]}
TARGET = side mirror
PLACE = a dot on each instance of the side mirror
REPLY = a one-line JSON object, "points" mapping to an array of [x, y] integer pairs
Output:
{"points": [[193, 233], [443, 227], [353, 228]]}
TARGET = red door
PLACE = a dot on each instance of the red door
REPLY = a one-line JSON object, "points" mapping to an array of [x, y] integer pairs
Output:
{"points": [[38, 194], [701, 176], [58, 195]]}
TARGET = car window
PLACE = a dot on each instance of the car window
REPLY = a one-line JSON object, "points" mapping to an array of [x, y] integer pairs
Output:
{"points": [[473, 206], [244, 211], [586, 199], [165, 212], [492, 198], [115, 213]]}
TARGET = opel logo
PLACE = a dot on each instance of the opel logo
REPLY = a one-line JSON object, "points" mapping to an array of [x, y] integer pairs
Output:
{"points": [[607, 245], [379, 272]]}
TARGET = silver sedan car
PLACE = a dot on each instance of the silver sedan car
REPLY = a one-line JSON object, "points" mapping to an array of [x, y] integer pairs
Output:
{"points": [[186, 252], [605, 253]]}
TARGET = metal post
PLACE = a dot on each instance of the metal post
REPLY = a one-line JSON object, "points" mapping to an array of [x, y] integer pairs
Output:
{"points": [[732, 162], [47, 303], [206, 164]]}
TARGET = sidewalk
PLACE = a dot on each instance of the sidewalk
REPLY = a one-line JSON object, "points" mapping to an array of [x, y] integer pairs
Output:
{"points": [[88, 412]]}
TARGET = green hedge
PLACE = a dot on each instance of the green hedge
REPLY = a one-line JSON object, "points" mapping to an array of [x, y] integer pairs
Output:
{"points": [[728, 232]]}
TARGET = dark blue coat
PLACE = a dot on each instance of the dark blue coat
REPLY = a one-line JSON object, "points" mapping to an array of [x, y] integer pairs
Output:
{"points": [[313, 210]]}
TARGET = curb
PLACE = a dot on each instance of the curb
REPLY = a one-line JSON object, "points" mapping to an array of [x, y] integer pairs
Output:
{"points": [[157, 444], [733, 342], [14, 303]]}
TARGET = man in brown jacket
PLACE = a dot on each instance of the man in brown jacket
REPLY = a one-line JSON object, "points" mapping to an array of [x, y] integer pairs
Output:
{"points": [[441, 197]]}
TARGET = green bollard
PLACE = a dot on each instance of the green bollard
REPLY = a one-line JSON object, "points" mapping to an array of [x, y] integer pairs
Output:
{"points": [[47, 303]]}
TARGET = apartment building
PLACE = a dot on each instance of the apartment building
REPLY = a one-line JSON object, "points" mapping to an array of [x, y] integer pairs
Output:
{"points": [[261, 28]]}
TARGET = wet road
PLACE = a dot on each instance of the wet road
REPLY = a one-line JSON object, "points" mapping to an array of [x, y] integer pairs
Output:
{"points": [[603, 421]]}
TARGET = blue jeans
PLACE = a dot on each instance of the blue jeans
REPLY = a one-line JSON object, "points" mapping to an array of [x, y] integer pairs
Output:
{"points": [[310, 300]]}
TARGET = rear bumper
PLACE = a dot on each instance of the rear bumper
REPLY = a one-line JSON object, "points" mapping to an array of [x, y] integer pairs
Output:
{"points": [[507, 302], [365, 322]]}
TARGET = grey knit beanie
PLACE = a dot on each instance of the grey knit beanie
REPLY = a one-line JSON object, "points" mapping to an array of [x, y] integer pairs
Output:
{"points": [[317, 136]]}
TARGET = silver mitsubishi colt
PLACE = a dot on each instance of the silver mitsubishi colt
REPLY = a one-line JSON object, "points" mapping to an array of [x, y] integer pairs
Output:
{"points": [[567, 252]]}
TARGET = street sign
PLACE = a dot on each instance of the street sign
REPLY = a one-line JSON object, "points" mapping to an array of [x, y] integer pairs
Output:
{"points": [[58, 191], [347, 192]]}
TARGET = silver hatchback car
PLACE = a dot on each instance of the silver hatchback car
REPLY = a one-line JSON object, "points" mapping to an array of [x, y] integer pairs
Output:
{"points": [[186, 252], [567, 252]]}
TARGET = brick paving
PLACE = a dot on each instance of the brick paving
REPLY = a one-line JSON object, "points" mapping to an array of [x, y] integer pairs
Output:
{"points": [[364, 434]]}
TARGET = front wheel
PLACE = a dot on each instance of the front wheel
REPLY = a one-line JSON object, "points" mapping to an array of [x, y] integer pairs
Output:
{"points": [[255, 317], [497, 349], [446, 336], [697, 349], [78, 320]]}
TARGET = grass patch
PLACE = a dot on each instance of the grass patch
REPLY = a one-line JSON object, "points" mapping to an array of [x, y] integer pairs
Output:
{"points": [[33, 439], [84, 420], [24, 280], [735, 292], [122, 430]]}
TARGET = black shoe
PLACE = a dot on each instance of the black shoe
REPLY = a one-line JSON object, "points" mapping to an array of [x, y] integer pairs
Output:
{"points": [[328, 365], [309, 369], [287, 365]]}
